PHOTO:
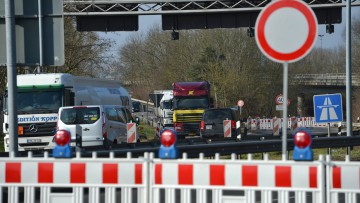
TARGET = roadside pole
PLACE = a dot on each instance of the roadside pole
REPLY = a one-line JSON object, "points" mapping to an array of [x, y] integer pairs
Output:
{"points": [[11, 74], [348, 74], [285, 111]]}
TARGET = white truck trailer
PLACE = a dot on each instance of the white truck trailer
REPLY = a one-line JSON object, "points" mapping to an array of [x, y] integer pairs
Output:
{"points": [[40, 96], [163, 108]]}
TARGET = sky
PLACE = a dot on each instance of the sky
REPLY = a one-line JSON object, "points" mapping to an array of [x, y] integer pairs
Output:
{"points": [[328, 41]]}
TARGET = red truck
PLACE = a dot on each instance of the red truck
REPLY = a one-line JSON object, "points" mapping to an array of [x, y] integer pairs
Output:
{"points": [[189, 102]]}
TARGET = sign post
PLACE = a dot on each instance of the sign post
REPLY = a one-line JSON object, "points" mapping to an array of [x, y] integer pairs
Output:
{"points": [[285, 32], [240, 103]]}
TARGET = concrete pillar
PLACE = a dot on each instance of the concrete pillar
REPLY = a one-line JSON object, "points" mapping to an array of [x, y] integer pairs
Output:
{"points": [[300, 105]]}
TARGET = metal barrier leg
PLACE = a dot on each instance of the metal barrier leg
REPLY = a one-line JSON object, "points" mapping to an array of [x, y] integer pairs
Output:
{"points": [[266, 196], [300, 197], [170, 195], [250, 196], [334, 197], [350, 197], [94, 194], [141, 195], [126, 194], [185, 195], [78, 194], [44, 194], [110, 195], [156, 195], [217, 196], [29, 194], [201, 196], [13, 192], [283, 196]]}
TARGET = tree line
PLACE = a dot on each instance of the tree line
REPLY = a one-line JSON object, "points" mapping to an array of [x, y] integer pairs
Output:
{"points": [[227, 58]]}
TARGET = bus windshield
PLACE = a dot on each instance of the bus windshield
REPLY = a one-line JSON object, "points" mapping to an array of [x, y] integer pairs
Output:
{"points": [[37, 101]]}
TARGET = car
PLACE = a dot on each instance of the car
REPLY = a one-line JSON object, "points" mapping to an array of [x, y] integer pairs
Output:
{"points": [[212, 126], [96, 124]]}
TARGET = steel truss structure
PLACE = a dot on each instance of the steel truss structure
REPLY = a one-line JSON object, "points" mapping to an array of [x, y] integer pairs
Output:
{"points": [[158, 7]]}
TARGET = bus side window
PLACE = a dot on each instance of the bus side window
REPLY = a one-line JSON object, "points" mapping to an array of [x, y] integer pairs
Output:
{"points": [[69, 98]]}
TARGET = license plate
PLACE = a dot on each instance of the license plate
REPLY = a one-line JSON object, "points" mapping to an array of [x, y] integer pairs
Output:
{"points": [[33, 140], [208, 127]]}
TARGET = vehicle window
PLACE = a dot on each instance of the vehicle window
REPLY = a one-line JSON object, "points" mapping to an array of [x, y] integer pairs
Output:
{"points": [[112, 114], [121, 115], [167, 105], [217, 115], [129, 116], [80, 115]]}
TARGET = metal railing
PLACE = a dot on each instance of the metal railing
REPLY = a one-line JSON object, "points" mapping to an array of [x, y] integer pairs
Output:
{"points": [[328, 79], [146, 7]]}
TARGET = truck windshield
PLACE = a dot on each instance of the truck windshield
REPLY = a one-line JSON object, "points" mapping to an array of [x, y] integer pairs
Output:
{"points": [[167, 105], [37, 102], [191, 103]]}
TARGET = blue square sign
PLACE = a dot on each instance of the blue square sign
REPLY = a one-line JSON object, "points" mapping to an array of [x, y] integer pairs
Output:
{"points": [[328, 108]]}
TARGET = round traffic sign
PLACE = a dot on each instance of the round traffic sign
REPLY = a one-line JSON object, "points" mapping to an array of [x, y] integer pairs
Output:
{"points": [[286, 30], [280, 100], [240, 103]]}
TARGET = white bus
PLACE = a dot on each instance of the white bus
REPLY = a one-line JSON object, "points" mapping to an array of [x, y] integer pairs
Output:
{"points": [[40, 96]]}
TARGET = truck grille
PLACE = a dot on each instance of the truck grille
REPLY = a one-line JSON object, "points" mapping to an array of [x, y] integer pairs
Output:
{"points": [[191, 117], [38, 129]]}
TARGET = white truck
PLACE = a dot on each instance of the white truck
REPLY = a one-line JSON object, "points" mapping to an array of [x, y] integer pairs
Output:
{"points": [[40, 96], [163, 109]]}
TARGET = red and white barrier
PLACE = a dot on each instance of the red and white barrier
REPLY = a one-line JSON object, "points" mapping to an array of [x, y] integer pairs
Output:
{"points": [[151, 177], [227, 128], [247, 175], [248, 123], [294, 124], [270, 175], [52, 172], [277, 126], [131, 133], [344, 178], [257, 121], [266, 124]]}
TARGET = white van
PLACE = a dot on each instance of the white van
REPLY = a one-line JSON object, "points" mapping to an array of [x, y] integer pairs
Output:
{"points": [[96, 124]]}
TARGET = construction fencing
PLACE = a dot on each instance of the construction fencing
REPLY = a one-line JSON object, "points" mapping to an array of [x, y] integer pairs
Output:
{"points": [[152, 180], [271, 123]]}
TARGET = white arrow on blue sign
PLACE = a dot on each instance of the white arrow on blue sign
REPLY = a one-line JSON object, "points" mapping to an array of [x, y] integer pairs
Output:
{"points": [[328, 108]]}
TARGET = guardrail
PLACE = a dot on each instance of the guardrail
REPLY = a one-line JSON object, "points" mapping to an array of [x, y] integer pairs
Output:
{"points": [[224, 147]]}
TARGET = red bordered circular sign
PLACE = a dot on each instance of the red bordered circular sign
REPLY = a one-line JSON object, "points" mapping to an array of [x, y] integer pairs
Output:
{"points": [[286, 30]]}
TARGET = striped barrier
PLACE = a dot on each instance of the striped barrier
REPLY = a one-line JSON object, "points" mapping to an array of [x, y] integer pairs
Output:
{"points": [[131, 133], [277, 126], [344, 178], [294, 124], [248, 123], [152, 180], [42, 174], [227, 128], [247, 175]]}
